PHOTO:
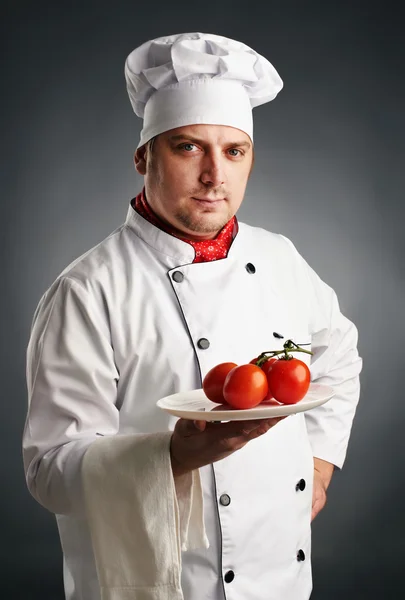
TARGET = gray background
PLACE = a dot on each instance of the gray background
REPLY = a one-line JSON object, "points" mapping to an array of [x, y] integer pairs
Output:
{"points": [[328, 174]]}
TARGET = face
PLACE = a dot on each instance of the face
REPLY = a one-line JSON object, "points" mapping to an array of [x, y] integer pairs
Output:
{"points": [[196, 176]]}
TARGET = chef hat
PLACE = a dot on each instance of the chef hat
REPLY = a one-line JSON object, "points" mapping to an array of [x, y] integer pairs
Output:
{"points": [[192, 78]]}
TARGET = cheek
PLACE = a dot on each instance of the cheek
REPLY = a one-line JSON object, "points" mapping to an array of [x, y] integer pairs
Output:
{"points": [[176, 174], [239, 181], [185, 181]]}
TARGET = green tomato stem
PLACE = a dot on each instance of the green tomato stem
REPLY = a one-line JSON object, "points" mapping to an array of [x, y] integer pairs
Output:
{"points": [[289, 347]]}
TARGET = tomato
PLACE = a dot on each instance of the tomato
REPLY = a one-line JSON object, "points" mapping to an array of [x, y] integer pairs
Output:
{"points": [[289, 380], [266, 368], [245, 386], [213, 382]]}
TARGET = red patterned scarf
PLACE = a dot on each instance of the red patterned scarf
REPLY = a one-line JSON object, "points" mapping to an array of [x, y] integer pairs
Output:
{"points": [[206, 250]]}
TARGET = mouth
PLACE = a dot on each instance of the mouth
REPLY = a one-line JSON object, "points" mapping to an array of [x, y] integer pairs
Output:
{"points": [[209, 201]]}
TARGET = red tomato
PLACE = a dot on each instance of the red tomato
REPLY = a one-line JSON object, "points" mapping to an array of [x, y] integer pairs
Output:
{"points": [[245, 386], [267, 367], [289, 380], [213, 382]]}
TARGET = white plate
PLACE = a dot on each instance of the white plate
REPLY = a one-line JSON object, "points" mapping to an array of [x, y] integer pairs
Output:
{"points": [[195, 405]]}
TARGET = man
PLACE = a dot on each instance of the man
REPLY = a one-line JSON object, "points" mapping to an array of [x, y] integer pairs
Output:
{"points": [[180, 287]]}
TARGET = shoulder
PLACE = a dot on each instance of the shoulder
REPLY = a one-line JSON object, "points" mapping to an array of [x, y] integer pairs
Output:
{"points": [[97, 260], [89, 277], [278, 256], [263, 239]]}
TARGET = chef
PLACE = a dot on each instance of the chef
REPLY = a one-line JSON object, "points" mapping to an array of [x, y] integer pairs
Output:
{"points": [[149, 506]]}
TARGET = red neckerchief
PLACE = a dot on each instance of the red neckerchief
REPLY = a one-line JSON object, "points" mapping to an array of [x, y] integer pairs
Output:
{"points": [[206, 250]]}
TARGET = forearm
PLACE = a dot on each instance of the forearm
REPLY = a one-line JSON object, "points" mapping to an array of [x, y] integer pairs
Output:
{"points": [[335, 363], [54, 478]]}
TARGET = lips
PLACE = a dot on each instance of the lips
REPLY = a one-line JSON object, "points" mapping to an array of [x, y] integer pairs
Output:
{"points": [[209, 199]]}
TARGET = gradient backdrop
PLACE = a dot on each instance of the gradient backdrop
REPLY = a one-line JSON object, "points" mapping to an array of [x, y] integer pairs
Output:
{"points": [[329, 174]]}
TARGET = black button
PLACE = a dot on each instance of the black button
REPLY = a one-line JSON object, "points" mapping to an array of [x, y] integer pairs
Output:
{"points": [[229, 576], [178, 276], [278, 335], [203, 343], [300, 555], [250, 268], [225, 500], [301, 485]]}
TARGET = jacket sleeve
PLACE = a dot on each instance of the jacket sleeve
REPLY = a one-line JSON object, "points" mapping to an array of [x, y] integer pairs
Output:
{"points": [[72, 417], [72, 388], [335, 362]]}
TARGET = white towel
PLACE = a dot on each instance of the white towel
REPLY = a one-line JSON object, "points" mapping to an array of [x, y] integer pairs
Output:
{"points": [[140, 517]]}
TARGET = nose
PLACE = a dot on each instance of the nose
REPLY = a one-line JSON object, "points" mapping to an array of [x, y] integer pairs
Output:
{"points": [[213, 172]]}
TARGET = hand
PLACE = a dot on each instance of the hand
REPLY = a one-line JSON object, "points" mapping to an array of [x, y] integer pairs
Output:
{"points": [[323, 472], [198, 443]]}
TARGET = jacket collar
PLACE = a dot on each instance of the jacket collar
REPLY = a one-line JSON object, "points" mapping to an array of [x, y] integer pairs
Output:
{"points": [[165, 243]]}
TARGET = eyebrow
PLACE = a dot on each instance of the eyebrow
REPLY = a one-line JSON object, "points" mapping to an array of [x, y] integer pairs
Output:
{"points": [[176, 138]]}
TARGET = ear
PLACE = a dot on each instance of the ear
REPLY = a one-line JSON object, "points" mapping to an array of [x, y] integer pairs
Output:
{"points": [[140, 160]]}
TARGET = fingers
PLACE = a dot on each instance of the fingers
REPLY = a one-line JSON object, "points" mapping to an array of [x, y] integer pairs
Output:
{"points": [[246, 429], [227, 431], [196, 443], [188, 427], [316, 509], [200, 425], [262, 425], [261, 429]]}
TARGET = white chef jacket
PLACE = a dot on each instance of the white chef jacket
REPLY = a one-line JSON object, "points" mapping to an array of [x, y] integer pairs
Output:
{"points": [[118, 330]]}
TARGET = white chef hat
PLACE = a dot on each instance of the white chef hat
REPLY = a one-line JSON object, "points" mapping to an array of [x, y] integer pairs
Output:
{"points": [[193, 78]]}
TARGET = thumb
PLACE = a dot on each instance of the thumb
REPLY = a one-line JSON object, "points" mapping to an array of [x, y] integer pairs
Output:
{"points": [[186, 427]]}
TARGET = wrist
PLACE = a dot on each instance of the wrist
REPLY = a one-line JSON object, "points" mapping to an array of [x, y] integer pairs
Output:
{"points": [[325, 470], [178, 468]]}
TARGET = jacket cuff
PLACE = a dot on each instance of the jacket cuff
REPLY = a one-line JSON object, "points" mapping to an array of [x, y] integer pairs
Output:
{"points": [[139, 521]]}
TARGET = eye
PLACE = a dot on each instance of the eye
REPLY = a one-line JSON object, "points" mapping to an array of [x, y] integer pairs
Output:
{"points": [[235, 152], [188, 147]]}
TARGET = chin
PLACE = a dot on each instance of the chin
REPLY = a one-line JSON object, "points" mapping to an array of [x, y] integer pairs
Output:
{"points": [[209, 226], [202, 223]]}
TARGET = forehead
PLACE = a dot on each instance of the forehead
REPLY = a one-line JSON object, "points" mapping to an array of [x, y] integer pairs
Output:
{"points": [[208, 134]]}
